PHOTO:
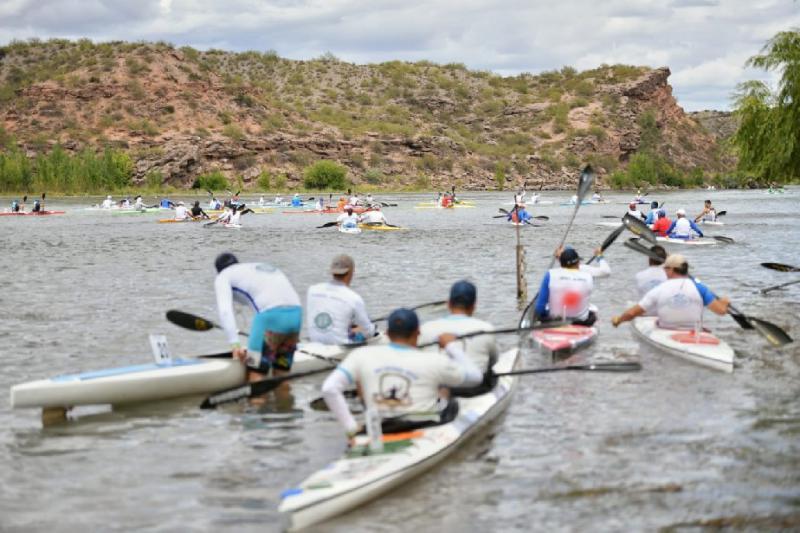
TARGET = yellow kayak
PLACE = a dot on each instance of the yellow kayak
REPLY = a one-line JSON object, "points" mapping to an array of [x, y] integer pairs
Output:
{"points": [[380, 227]]}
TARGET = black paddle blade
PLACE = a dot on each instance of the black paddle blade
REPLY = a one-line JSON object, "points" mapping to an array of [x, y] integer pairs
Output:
{"points": [[189, 321], [774, 334], [612, 237], [542, 217], [327, 225], [742, 320], [504, 211], [780, 267], [637, 246], [585, 183], [230, 395], [726, 240], [722, 213], [639, 228], [255, 389]]}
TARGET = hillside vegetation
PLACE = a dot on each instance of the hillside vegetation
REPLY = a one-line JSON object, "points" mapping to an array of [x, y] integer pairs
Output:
{"points": [[150, 114]]}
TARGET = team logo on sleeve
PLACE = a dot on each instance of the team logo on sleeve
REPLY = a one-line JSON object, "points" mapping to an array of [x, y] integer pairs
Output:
{"points": [[393, 391], [323, 321]]}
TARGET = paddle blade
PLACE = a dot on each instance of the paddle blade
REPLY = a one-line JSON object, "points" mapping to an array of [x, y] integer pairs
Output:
{"points": [[612, 237], [774, 334], [636, 246], [504, 211], [327, 225], [586, 181], [230, 395], [742, 320], [189, 321], [542, 217], [780, 267], [722, 213], [638, 227], [726, 240]]}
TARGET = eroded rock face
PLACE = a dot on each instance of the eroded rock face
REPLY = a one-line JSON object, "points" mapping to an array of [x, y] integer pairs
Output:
{"points": [[174, 123]]}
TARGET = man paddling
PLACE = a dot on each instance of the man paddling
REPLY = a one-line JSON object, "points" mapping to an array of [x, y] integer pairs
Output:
{"points": [[663, 224], [348, 219], [678, 302], [709, 214], [336, 313], [565, 291], [398, 380], [276, 325], [652, 215], [654, 274], [634, 212], [481, 350], [519, 215], [682, 227], [197, 212], [374, 217]]}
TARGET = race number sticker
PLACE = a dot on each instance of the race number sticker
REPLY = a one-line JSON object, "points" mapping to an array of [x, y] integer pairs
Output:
{"points": [[158, 343]]}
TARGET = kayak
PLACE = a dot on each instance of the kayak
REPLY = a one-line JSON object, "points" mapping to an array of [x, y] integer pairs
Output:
{"points": [[584, 202], [256, 210], [147, 210], [704, 349], [434, 204], [380, 227], [349, 229], [528, 202], [712, 223], [700, 241], [563, 340], [153, 382], [31, 213], [175, 220], [326, 211], [359, 475], [608, 224], [451, 206]]}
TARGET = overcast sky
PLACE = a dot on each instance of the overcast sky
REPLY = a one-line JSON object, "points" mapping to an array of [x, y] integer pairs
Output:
{"points": [[704, 42]]}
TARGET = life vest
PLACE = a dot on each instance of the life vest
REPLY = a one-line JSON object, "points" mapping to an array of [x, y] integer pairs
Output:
{"points": [[165, 203]]}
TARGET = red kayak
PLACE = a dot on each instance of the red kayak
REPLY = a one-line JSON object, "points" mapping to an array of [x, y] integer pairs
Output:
{"points": [[31, 213], [563, 340]]}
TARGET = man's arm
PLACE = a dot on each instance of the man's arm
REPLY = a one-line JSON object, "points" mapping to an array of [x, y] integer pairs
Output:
{"points": [[333, 393]]}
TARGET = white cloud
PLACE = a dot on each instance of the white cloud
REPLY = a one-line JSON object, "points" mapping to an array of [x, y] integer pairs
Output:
{"points": [[704, 42]]}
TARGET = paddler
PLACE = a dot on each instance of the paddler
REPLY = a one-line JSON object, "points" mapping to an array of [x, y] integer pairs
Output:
{"points": [[276, 325], [296, 200], [519, 197], [596, 197], [214, 204], [340, 205], [320, 205], [662, 224], [165, 203], [348, 219], [678, 302], [654, 274], [138, 204], [14, 206], [709, 214], [197, 211], [481, 349], [652, 215], [400, 381], [519, 215], [37, 207], [565, 291], [374, 217], [336, 313], [634, 212], [108, 203], [181, 213], [682, 227]]}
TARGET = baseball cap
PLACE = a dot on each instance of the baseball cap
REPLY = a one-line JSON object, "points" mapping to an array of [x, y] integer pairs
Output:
{"points": [[681, 212], [463, 293], [225, 260], [569, 257], [342, 264], [653, 204], [402, 322], [659, 251], [675, 261]]}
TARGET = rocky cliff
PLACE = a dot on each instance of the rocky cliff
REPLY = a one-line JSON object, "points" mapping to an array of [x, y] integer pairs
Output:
{"points": [[181, 113]]}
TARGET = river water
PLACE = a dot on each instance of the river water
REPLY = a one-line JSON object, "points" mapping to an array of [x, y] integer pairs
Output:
{"points": [[673, 447]]}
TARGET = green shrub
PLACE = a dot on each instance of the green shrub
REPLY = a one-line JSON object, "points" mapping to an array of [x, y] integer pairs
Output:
{"points": [[233, 131], [325, 175], [154, 180], [373, 176], [215, 181], [264, 180], [280, 182], [500, 176]]}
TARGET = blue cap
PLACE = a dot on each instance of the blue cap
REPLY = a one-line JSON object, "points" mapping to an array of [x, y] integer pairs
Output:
{"points": [[402, 322], [463, 293], [569, 257]]}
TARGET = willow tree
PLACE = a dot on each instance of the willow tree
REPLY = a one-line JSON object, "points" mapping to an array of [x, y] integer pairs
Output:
{"points": [[768, 138]]}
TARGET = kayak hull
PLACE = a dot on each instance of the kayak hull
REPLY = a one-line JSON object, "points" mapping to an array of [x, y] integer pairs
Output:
{"points": [[31, 213], [688, 242], [351, 230], [705, 349], [379, 227], [563, 340], [360, 476]]}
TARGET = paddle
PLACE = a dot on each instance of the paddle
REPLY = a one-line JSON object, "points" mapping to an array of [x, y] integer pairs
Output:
{"points": [[194, 322], [584, 184], [420, 306], [774, 287], [600, 367], [780, 267], [541, 325], [328, 225], [506, 213], [609, 241], [41, 207], [720, 238], [638, 227], [268, 384], [634, 244], [721, 213], [773, 333]]}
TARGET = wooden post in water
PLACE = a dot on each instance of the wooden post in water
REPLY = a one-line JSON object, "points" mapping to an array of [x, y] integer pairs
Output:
{"points": [[522, 284]]}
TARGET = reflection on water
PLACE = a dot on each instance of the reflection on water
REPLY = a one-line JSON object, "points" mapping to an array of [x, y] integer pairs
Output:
{"points": [[673, 446]]}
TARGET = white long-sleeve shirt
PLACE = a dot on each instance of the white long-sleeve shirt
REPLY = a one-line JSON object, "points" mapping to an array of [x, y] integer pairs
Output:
{"points": [[257, 285], [332, 307]]}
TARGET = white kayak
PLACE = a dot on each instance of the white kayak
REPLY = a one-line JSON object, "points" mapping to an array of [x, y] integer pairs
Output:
{"points": [[154, 382], [700, 241], [360, 476], [349, 229], [608, 224], [712, 223], [703, 349]]}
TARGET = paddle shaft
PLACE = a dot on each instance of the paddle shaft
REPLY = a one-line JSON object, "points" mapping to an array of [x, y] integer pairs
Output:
{"points": [[601, 367], [774, 287]]}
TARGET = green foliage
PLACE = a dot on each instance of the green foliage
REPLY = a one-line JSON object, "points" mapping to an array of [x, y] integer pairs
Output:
{"points": [[651, 135], [154, 180], [500, 176], [264, 180], [59, 171], [233, 131], [768, 138], [325, 175], [215, 181], [373, 176], [645, 169]]}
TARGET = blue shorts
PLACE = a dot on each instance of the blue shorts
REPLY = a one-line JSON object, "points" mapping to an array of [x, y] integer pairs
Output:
{"points": [[274, 333]]}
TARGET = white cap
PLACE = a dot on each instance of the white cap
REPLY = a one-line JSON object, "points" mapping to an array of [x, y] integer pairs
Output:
{"points": [[681, 212]]}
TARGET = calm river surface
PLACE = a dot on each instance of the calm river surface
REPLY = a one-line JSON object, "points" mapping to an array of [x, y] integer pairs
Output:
{"points": [[673, 447]]}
